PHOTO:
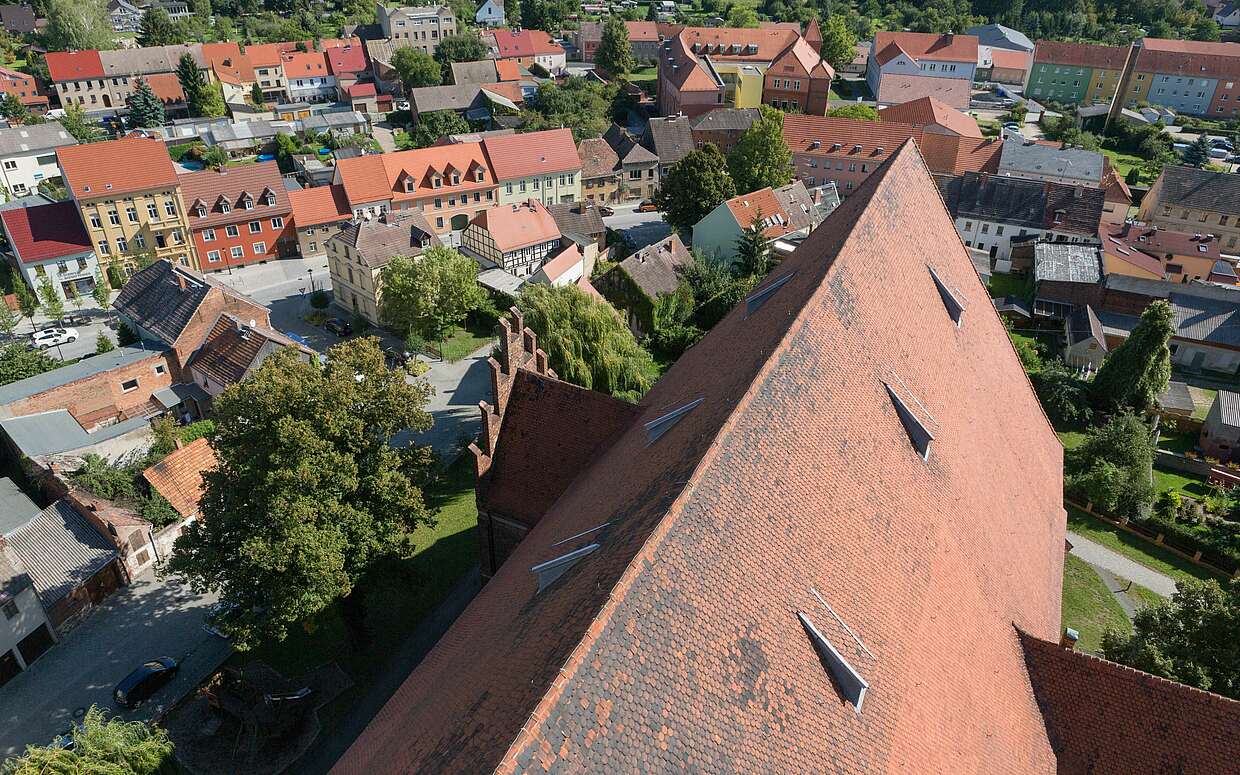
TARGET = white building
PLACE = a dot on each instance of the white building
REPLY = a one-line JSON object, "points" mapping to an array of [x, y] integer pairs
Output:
{"points": [[490, 14], [28, 155]]}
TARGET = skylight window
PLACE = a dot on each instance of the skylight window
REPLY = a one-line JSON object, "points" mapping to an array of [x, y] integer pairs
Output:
{"points": [[954, 306], [657, 427], [851, 684], [551, 570], [756, 299], [918, 434]]}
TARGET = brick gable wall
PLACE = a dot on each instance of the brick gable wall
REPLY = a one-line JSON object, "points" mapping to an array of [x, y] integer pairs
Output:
{"points": [[100, 397], [216, 303]]}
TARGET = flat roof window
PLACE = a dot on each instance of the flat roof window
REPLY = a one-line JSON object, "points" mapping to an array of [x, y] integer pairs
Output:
{"points": [[551, 570], [659, 426]]}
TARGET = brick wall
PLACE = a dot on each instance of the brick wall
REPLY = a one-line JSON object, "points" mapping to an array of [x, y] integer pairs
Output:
{"points": [[215, 303], [100, 397]]}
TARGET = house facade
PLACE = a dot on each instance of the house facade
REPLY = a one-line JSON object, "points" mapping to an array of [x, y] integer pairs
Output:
{"points": [[239, 215], [780, 212], [905, 65], [51, 246], [129, 196], [22, 86], [1220, 433], [419, 27], [600, 170], [1193, 201], [28, 155], [635, 285], [517, 238], [535, 165], [317, 214], [357, 254], [490, 14], [25, 632], [527, 48], [1075, 73]]}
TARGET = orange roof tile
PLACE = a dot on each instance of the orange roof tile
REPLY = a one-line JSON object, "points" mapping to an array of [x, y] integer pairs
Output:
{"points": [[178, 477], [894, 89], [319, 205], [304, 65], [167, 87], [532, 153], [930, 46], [208, 187], [1056, 52], [376, 178], [761, 204], [931, 110], [517, 226], [228, 63], [818, 135], [267, 54], [507, 70], [74, 65], [642, 31], [1191, 58], [116, 167], [524, 43], [1006, 59]]}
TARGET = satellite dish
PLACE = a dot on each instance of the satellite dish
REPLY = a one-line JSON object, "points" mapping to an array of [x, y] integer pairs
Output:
{"points": [[253, 323]]}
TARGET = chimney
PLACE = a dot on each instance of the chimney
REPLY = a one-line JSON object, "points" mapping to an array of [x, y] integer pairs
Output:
{"points": [[181, 280], [1069, 639], [178, 442]]}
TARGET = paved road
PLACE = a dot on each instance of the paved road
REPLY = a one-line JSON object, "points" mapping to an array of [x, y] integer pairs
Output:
{"points": [[1117, 564], [144, 620], [384, 134], [640, 229]]}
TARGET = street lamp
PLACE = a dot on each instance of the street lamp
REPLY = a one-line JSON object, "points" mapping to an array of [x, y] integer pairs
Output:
{"points": [[310, 273]]}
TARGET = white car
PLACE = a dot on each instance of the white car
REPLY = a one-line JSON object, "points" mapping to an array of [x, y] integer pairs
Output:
{"points": [[50, 337]]}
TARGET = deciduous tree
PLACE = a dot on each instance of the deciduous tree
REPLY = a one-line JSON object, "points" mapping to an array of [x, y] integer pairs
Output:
{"points": [[694, 186], [415, 68], [839, 44], [53, 305], [1190, 638], [79, 126], [742, 16], [1197, 154], [432, 126], [19, 362], [855, 111], [27, 301], [585, 341], [8, 319], [461, 47], [614, 55], [1111, 468], [101, 745], [145, 109], [12, 109], [76, 25], [1140, 368], [760, 157], [309, 491], [431, 293]]}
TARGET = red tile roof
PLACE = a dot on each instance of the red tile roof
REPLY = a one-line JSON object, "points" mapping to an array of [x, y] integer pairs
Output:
{"points": [[374, 178], [931, 110], [167, 88], [518, 226], [507, 70], [346, 60], [46, 232], [1190, 58], [524, 43], [676, 646], [74, 65], [532, 153], [309, 64], [642, 31], [1006, 59], [1055, 52], [363, 90], [319, 205], [267, 54], [1161, 242], [957, 155], [930, 46], [210, 188], [228, 62], [1108, 719], [894, 89], [942, 153], [178, 477], [116, 167], [762, 203]]}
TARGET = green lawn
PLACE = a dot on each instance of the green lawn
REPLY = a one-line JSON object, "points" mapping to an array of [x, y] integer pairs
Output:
{"points": [[1134, 548], [1178, 442], [645, 78], [1144, 597], [1088, 606], [1123, 162], [1203, 399], [399, 594], [1071, 439], [1008, 285], [1193, 486], [464, 341]]}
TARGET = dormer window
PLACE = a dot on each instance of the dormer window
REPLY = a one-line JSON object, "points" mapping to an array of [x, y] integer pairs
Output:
{"points": [[248, 202], [200, 211], [1059, 216], [436, 182], [225, 207], [408, 185], [269, 199], [478, 175], [456, 179]]}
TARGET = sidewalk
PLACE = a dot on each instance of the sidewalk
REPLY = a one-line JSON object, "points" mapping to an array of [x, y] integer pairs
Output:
{"points": [[1101, 557]]}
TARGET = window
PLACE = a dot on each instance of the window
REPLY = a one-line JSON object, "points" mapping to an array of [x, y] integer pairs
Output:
{"points": [[537, 181], [850, 682], [756, 299], [259, 248], [122, 246], [104, 247], [985, 228], [213, 256], [129, 385], [232, 231], [225, 207], [999, 230], [507, 188], [114, 218], [95, 223], [170, 207], [661, 425], [968, 225], [918, 434], [551, 570], [248, 202], [132, 214], [269, 199], [256, 227], [277, 223], [10, 164], [208, 235], [313, 246], [237, 251], [152, 211], [140, 241]]}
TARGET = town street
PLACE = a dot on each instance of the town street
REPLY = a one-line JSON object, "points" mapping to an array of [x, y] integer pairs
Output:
{"points": [[640, 229]]}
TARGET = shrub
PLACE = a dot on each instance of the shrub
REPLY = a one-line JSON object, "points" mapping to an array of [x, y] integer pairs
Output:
{"points": [[116, 277], [125, 335], [316, 317], [103, 344], [158, 511], [674, 339], [104, 479], [319, 299], [1112, 467], [1064, 398], [197, 430]]}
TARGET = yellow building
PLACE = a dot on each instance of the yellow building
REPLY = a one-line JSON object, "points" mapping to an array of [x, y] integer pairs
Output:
{"points": [[357, 254], [130, 200], [1139, 91], [536, 165], [1102, 85], [742, 83]]}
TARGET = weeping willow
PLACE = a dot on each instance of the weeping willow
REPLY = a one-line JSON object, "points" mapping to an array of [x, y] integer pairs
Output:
{"points": [[101, 747], [586, 343]]}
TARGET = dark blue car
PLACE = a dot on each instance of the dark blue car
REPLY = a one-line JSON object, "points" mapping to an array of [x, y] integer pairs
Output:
{"points": [[138, 686]]}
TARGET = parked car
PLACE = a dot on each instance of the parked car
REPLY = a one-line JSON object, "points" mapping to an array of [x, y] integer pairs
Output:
{"points": [[1222, 142], [338, 327], [1012, 126], [137, 687], [50, 337], [647, 206]]}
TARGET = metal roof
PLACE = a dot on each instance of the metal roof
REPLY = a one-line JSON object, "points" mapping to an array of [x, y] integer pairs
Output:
{"points": [[60, 550], [1228, 407], [1037, 159], [16, 508], [497, 279], [33, 138], [1071, 262], [54, 432], [87, 367]]}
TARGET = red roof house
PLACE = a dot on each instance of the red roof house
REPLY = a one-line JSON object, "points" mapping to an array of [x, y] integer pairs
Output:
{"points": [[238, 215], [74, 65], [46, 232]]}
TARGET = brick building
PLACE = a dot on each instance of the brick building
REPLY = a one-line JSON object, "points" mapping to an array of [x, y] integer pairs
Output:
{"points": [[239, 215]]}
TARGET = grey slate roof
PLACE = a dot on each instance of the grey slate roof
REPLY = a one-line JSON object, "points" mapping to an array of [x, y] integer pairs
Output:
{"points": [[1200, 189], [87, 367], [653, 268], [998, 36], [1177, 397], [989, 198], [1083, 324], [430, 99], [1068, 262], [55, 432], [726, 118], [396, 234], [497, 279], [151, 59], [1206, 320], [670, 138], [26, 139], [798, 204], [481, 71], [60, 550], [1228, 407], [155, 299], [16, 508], [581, 218], [1032, 158]]}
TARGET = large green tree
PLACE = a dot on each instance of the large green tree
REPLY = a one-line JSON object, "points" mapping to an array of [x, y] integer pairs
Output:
{"points": [[415, 68], [856, 111], [310, 490], [27, 301], [101, 746], [585, 340], [753, 250], [694, 186], [53, 305], [12, 109], [157, 28], [76, 25], [79, 126], [19, 362], [583, 105], [145, 109], [742, 16], [1140, 368], [760, 157], [432, 126], [1197, 154], [839, 43], [429, 294], [462, 47], [203, 99], [1191, 638], [8, 319], [614, 55], [1111, 468]]}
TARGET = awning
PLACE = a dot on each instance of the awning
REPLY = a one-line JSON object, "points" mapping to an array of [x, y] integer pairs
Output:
{"points": [[173, 395]]}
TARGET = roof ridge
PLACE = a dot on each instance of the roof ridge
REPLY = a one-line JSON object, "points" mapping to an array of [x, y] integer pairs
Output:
{"points": [[662, 528]]}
